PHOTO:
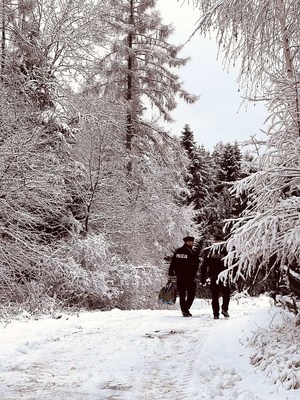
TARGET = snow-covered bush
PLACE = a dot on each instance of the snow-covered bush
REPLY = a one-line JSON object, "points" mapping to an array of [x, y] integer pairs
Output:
{"points": [[277, 350], [79, 274], [140, 286], [86, 274]]}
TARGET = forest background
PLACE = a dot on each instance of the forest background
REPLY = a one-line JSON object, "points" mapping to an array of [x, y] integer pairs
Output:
{"points": [[95, 196]]}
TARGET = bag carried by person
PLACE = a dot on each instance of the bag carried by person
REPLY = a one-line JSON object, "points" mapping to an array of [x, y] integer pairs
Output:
{"points": [[168, 293]]}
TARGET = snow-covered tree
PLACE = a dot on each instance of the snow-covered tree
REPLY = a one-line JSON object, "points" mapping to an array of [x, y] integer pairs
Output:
{"points": [[37, 179], [136, 72], [200, 178], [151, 213], [35, 199], [228, 162], [43, 39], [264, 38], [194, 176], [139, 66]]}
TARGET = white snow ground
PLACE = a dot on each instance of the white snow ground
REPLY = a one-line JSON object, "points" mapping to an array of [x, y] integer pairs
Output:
{"points": [[137, 355]]}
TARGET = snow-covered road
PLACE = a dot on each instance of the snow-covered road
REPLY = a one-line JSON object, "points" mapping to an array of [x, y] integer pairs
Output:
{"points": [[135, 355]]}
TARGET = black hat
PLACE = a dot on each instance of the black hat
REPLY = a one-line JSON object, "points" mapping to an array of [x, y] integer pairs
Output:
{"points": [[188, 239]]}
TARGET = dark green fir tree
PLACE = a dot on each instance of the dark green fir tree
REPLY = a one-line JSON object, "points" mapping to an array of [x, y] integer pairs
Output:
{"points": [[199, 178]]}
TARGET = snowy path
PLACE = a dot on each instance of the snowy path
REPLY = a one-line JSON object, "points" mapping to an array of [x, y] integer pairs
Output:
{"points": [[132, 355]]}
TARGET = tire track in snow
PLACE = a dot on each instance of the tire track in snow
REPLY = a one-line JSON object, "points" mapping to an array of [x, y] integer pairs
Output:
{"points": [[171, 366]]}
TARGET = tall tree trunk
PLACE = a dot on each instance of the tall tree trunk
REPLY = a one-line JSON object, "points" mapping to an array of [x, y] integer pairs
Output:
{"points": [[285, 39], [288, 56], [3, 38], [129, 95], [129, 98]]}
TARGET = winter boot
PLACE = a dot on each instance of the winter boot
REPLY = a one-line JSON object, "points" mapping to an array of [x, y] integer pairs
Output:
{"points": [[225, 313]]}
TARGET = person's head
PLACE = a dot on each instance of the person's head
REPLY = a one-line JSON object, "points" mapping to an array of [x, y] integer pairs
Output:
{"points": [[189, 241]]}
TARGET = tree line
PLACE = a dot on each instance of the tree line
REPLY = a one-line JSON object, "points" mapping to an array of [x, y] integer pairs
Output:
{"points": [[94, 192]]}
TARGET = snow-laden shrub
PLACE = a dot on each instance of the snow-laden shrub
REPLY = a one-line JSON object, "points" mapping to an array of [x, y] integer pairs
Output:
{"points": [[76, 286], [140, 286], [88, 275], [277, 350], [22, 300], [81, 274]]}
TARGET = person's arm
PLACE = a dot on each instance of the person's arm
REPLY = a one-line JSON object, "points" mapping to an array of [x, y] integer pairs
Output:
{"points": [[204, 270], [172, 271], [196, 263]]}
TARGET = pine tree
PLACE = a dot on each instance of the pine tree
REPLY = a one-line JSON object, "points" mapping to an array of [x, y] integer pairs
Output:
{"points": [[198, 177], [200, 182], [139, 65], [193, 177], [138, 71], [188, 141], [227, 160]]}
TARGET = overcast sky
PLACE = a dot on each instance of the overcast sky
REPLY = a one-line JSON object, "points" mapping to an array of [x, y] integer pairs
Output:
{"points": [[218, 115]]}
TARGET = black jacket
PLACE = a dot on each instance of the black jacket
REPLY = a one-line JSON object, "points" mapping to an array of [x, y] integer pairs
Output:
{"points": [[184, 263], [211, 267]]}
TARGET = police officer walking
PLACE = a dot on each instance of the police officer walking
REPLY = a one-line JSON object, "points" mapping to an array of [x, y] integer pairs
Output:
{"points": [[184, 266], [211, 267]]}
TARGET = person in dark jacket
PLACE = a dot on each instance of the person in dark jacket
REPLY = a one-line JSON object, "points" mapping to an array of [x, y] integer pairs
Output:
{"points": [[211, 267], [184, 266]]}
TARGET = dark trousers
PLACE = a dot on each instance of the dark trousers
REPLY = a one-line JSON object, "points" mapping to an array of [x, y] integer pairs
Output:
{"points": [[217, 290], [187, 292]]}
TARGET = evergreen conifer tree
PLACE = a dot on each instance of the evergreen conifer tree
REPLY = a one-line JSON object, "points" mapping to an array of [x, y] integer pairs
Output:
{"points": [[193, 177], [139, 68], [228, 159], [227, 164], [200, 179]]}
